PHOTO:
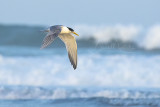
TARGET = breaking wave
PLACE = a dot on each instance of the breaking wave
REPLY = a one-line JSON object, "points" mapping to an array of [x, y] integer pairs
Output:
{"points": [[147, 38], [115, 69]]}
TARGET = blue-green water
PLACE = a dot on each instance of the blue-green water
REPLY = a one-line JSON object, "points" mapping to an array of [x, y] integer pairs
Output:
{"points": [[82, 102]]}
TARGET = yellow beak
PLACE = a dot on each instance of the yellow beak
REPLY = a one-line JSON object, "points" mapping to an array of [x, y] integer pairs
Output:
{"points": [[75, 33]]}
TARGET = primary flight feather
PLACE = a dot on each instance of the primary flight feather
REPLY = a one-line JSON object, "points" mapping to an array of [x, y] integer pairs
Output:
{"points": [[65, 34]]}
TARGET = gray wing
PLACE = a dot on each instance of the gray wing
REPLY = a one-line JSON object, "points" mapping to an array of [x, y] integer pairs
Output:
{"points": [[50, 37], [71, 47]]}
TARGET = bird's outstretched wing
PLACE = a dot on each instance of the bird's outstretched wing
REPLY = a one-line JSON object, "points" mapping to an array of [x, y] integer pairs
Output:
{"points": [[49, 38], [71, 47]]}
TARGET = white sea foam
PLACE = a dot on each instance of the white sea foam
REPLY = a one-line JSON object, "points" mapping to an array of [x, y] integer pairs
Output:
{"points": [[25, 92], [93, 70], [107, 33], [148, 38], [152, 38]]}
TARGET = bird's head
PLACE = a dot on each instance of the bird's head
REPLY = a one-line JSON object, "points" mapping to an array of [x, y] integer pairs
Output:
{"points": [[72, 31]]}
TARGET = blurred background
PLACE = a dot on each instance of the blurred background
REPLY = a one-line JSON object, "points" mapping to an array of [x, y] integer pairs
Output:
{"points": [[118, 51]]}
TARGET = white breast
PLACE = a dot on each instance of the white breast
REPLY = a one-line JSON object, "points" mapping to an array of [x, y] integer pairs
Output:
{"points": [[65, 30]]}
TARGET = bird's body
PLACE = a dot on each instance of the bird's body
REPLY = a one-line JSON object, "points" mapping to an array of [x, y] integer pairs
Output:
{"points": [[64, 33]]}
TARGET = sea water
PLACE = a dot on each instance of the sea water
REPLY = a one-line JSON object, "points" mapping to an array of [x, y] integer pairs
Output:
{"points": [[30, 77], [118, 66]]}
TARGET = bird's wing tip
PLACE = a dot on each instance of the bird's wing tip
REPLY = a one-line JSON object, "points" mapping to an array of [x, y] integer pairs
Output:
{"points": [[74, 67]]}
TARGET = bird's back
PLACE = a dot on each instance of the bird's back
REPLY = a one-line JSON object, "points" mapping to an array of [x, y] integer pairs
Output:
{"points": [[55, 28]]}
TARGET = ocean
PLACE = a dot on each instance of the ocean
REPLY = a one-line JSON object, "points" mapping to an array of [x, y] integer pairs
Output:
{"points": [[115, 72]]}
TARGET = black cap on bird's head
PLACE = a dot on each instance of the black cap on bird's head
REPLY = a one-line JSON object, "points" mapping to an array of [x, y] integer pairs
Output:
{"points": [[70, 29]]}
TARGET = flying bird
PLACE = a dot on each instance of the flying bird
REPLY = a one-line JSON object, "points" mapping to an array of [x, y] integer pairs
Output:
{"points": [[65, 34]]}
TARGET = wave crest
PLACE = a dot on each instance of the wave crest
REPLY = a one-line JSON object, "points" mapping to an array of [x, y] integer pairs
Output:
{"points": [[147, 38], [141, 37]]}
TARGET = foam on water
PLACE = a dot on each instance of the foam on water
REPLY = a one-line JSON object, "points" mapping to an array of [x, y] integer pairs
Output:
{"points": [[94, 69], [27, 92]]}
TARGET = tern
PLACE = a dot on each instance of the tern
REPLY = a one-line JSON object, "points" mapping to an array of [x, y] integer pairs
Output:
{"points": [[65, 34]]}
